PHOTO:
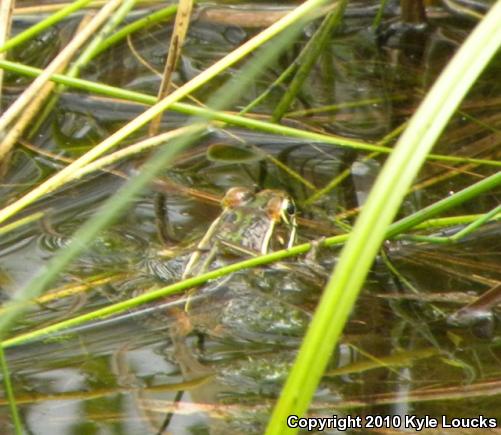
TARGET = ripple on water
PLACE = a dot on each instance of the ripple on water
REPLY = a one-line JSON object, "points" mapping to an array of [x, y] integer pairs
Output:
{"points": [[117, 246]]}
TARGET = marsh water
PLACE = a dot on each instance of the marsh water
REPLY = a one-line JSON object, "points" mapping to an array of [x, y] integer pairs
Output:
{"points": [[407, 349]]}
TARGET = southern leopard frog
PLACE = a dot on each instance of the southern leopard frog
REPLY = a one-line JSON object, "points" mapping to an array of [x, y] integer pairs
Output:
{"points": [[244, 306], [250, 223]]}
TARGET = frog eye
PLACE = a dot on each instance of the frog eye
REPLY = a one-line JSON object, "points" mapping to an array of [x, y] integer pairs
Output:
{"points": [[289, 208], [288, 211], [236, 196]]}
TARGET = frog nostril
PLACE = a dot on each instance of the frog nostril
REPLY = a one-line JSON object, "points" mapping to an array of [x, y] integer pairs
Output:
{"points": [[232, 218]]}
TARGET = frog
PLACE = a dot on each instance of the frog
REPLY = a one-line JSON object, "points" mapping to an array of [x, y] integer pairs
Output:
{"points": [[250, 223], [245, 307]]}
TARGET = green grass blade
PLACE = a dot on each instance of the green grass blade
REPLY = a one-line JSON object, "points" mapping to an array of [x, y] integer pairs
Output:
{"points": [[87, 233], [84, 236], [228, 118], [404, 224], [84, 59], [384, 200], [44, 24], [457, 198], [311, 53], [10, 394], [298, 15], [149, 20]]}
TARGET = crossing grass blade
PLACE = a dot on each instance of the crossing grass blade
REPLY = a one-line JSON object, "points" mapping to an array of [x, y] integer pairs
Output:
{"points": [[381, 207]]}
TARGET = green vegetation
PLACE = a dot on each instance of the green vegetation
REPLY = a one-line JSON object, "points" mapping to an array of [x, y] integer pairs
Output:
{"points": [[247, 68]]}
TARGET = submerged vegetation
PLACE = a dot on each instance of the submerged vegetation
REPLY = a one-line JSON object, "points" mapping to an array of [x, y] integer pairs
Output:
{"points": [[139, 300]]}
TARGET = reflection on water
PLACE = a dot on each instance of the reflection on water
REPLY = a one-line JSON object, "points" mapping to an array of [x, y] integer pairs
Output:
{"points": [[218, 367]]}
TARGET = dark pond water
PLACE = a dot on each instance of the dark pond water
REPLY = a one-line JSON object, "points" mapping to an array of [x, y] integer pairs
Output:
{"points": [[218, 367]]}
